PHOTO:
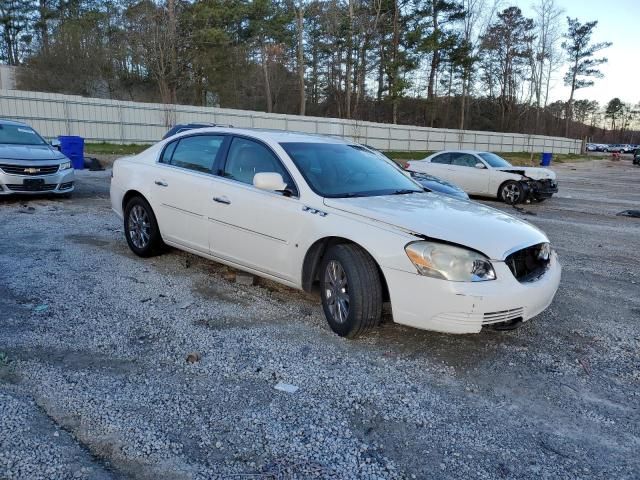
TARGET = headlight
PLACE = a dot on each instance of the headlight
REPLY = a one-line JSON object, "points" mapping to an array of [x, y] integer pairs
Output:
{"points": [[439, 260], [64, 166]]}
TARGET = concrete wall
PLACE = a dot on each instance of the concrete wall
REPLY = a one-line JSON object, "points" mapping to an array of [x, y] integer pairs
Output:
{"points": [[132, 122]]}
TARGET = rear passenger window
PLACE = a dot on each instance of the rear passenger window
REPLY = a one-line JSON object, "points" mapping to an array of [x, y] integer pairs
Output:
{"points": [[168, 152], [197, 153], [443, 158]]}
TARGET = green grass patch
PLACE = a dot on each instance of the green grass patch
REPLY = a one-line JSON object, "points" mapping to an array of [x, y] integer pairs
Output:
{"points": [[114, 148]]}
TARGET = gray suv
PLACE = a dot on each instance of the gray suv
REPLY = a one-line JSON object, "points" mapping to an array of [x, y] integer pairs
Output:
{"points": [[29, 164]]}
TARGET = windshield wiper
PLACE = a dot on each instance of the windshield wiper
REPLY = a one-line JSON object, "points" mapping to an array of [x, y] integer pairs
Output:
{"points": [[351, 195], [404, 192]]}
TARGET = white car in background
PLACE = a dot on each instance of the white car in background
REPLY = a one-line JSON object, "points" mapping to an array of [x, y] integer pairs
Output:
{"points": [[321, 214], [488, 175]]}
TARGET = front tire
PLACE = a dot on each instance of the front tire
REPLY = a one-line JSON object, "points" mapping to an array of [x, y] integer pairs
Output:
{"points": [[511, 192], [351, 290], [141, 228]]}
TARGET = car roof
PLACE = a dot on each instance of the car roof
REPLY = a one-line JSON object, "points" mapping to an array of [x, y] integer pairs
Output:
{"points": [[473, 152], [279, 136], [4, 121]]}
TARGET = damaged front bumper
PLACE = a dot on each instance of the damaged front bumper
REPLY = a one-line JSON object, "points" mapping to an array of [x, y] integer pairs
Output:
{"points": [[538, 189]]}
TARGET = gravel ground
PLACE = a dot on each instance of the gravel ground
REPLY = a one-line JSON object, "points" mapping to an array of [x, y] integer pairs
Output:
{"points": [[94, 381]]}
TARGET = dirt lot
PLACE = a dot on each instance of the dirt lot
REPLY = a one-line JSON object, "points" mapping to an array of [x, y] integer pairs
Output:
{"points": [[94, 382]]}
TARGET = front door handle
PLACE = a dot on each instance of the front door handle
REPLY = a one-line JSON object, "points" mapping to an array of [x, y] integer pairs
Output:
{"points": [[223, 200], [161, 183]]}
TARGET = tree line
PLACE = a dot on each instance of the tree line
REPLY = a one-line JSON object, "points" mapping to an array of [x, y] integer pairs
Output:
{"points": [[472, 64]]}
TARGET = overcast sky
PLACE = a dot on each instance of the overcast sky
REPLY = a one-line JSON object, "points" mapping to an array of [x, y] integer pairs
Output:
{"points": [[618, 22]]}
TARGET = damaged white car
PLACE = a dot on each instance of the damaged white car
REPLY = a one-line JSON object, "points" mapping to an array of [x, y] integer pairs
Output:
{"points": [[489, 175], [321, 214]]}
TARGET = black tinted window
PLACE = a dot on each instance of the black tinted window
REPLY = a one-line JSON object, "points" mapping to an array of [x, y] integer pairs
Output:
{"points": [[246, 158], [444, 158], [196, 153]]}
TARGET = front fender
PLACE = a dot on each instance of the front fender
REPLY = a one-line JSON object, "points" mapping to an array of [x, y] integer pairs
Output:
{"points": [[384, 243]]}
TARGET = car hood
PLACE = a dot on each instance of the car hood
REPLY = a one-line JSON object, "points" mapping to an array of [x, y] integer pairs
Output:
{"points": [[29, 152], [535, 173], [490, 231]]}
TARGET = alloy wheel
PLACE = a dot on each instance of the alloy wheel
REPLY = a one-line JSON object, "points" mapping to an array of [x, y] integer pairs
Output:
{"points": [[511, 193], [337, 291], [139, 227]]}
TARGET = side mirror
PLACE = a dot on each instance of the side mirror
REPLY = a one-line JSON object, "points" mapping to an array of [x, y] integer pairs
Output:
{"points": [[269, 181], [55, 143], [480, 165]]}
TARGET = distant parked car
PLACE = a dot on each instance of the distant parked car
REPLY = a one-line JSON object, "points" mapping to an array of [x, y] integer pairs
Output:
{"points": [[31, 165], [592, 147], [489, 175], [618, 148], [431, 183], [183, 127], [636, 157]]}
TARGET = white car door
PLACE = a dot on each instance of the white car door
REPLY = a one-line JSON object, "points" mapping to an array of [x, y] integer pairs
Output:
{"points": [[180, 190], [465, 174], [253, 227]]}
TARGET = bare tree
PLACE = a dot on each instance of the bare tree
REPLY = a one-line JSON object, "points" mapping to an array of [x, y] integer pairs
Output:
{"points": [[300, 35], [545, 53], [580, 53]]}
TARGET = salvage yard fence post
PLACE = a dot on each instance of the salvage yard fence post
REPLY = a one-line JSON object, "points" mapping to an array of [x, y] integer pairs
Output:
{"points": [[116, 121]]}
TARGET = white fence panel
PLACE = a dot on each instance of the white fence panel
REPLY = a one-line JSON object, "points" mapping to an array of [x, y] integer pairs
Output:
{"points": [[101, 120]]}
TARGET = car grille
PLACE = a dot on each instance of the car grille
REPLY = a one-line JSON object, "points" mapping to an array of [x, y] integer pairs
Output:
{"points": [[29, 170], [32, 188], [529, 264], [503, 316]]}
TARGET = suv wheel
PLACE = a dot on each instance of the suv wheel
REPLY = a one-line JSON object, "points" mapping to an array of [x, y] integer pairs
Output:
{"points": [[141, 228], [351, 290]]}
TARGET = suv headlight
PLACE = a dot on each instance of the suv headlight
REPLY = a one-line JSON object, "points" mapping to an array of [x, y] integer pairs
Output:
{"points": [[64, 166], [457, 264]]}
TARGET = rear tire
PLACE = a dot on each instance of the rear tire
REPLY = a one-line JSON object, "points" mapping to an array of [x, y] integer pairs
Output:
{"points": [[141, 228], [350, 290], [511, 192]]}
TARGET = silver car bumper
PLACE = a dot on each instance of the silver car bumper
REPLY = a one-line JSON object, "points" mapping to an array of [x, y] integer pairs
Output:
{"points": [[60, 182]]}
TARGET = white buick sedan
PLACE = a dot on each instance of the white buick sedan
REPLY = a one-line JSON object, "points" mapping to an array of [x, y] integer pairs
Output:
{"points": [[488, 175], [320, 214]]}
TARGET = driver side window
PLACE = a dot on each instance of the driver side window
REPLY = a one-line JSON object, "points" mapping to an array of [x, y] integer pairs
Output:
{"points": [[247, 157], [465, 160]]}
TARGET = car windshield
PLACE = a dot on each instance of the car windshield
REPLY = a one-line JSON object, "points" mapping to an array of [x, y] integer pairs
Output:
{"points": [[19, 135], [340, 170], [494, 160]]}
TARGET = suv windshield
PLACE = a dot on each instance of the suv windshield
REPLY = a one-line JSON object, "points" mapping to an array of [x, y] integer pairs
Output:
{"points": [[339, 170], [494, 160], [19, 135]]}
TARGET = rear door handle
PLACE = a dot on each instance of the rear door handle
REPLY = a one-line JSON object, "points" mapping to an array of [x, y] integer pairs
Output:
{"points": [[161, 183], [223, 200]]}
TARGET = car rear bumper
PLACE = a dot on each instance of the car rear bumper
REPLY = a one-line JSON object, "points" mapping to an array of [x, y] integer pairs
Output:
{"points": [[465, 307], [61, 182]]}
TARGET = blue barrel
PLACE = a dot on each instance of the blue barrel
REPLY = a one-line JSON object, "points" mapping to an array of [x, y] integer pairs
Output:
{"points": [[73, 148], [545, 161]]}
